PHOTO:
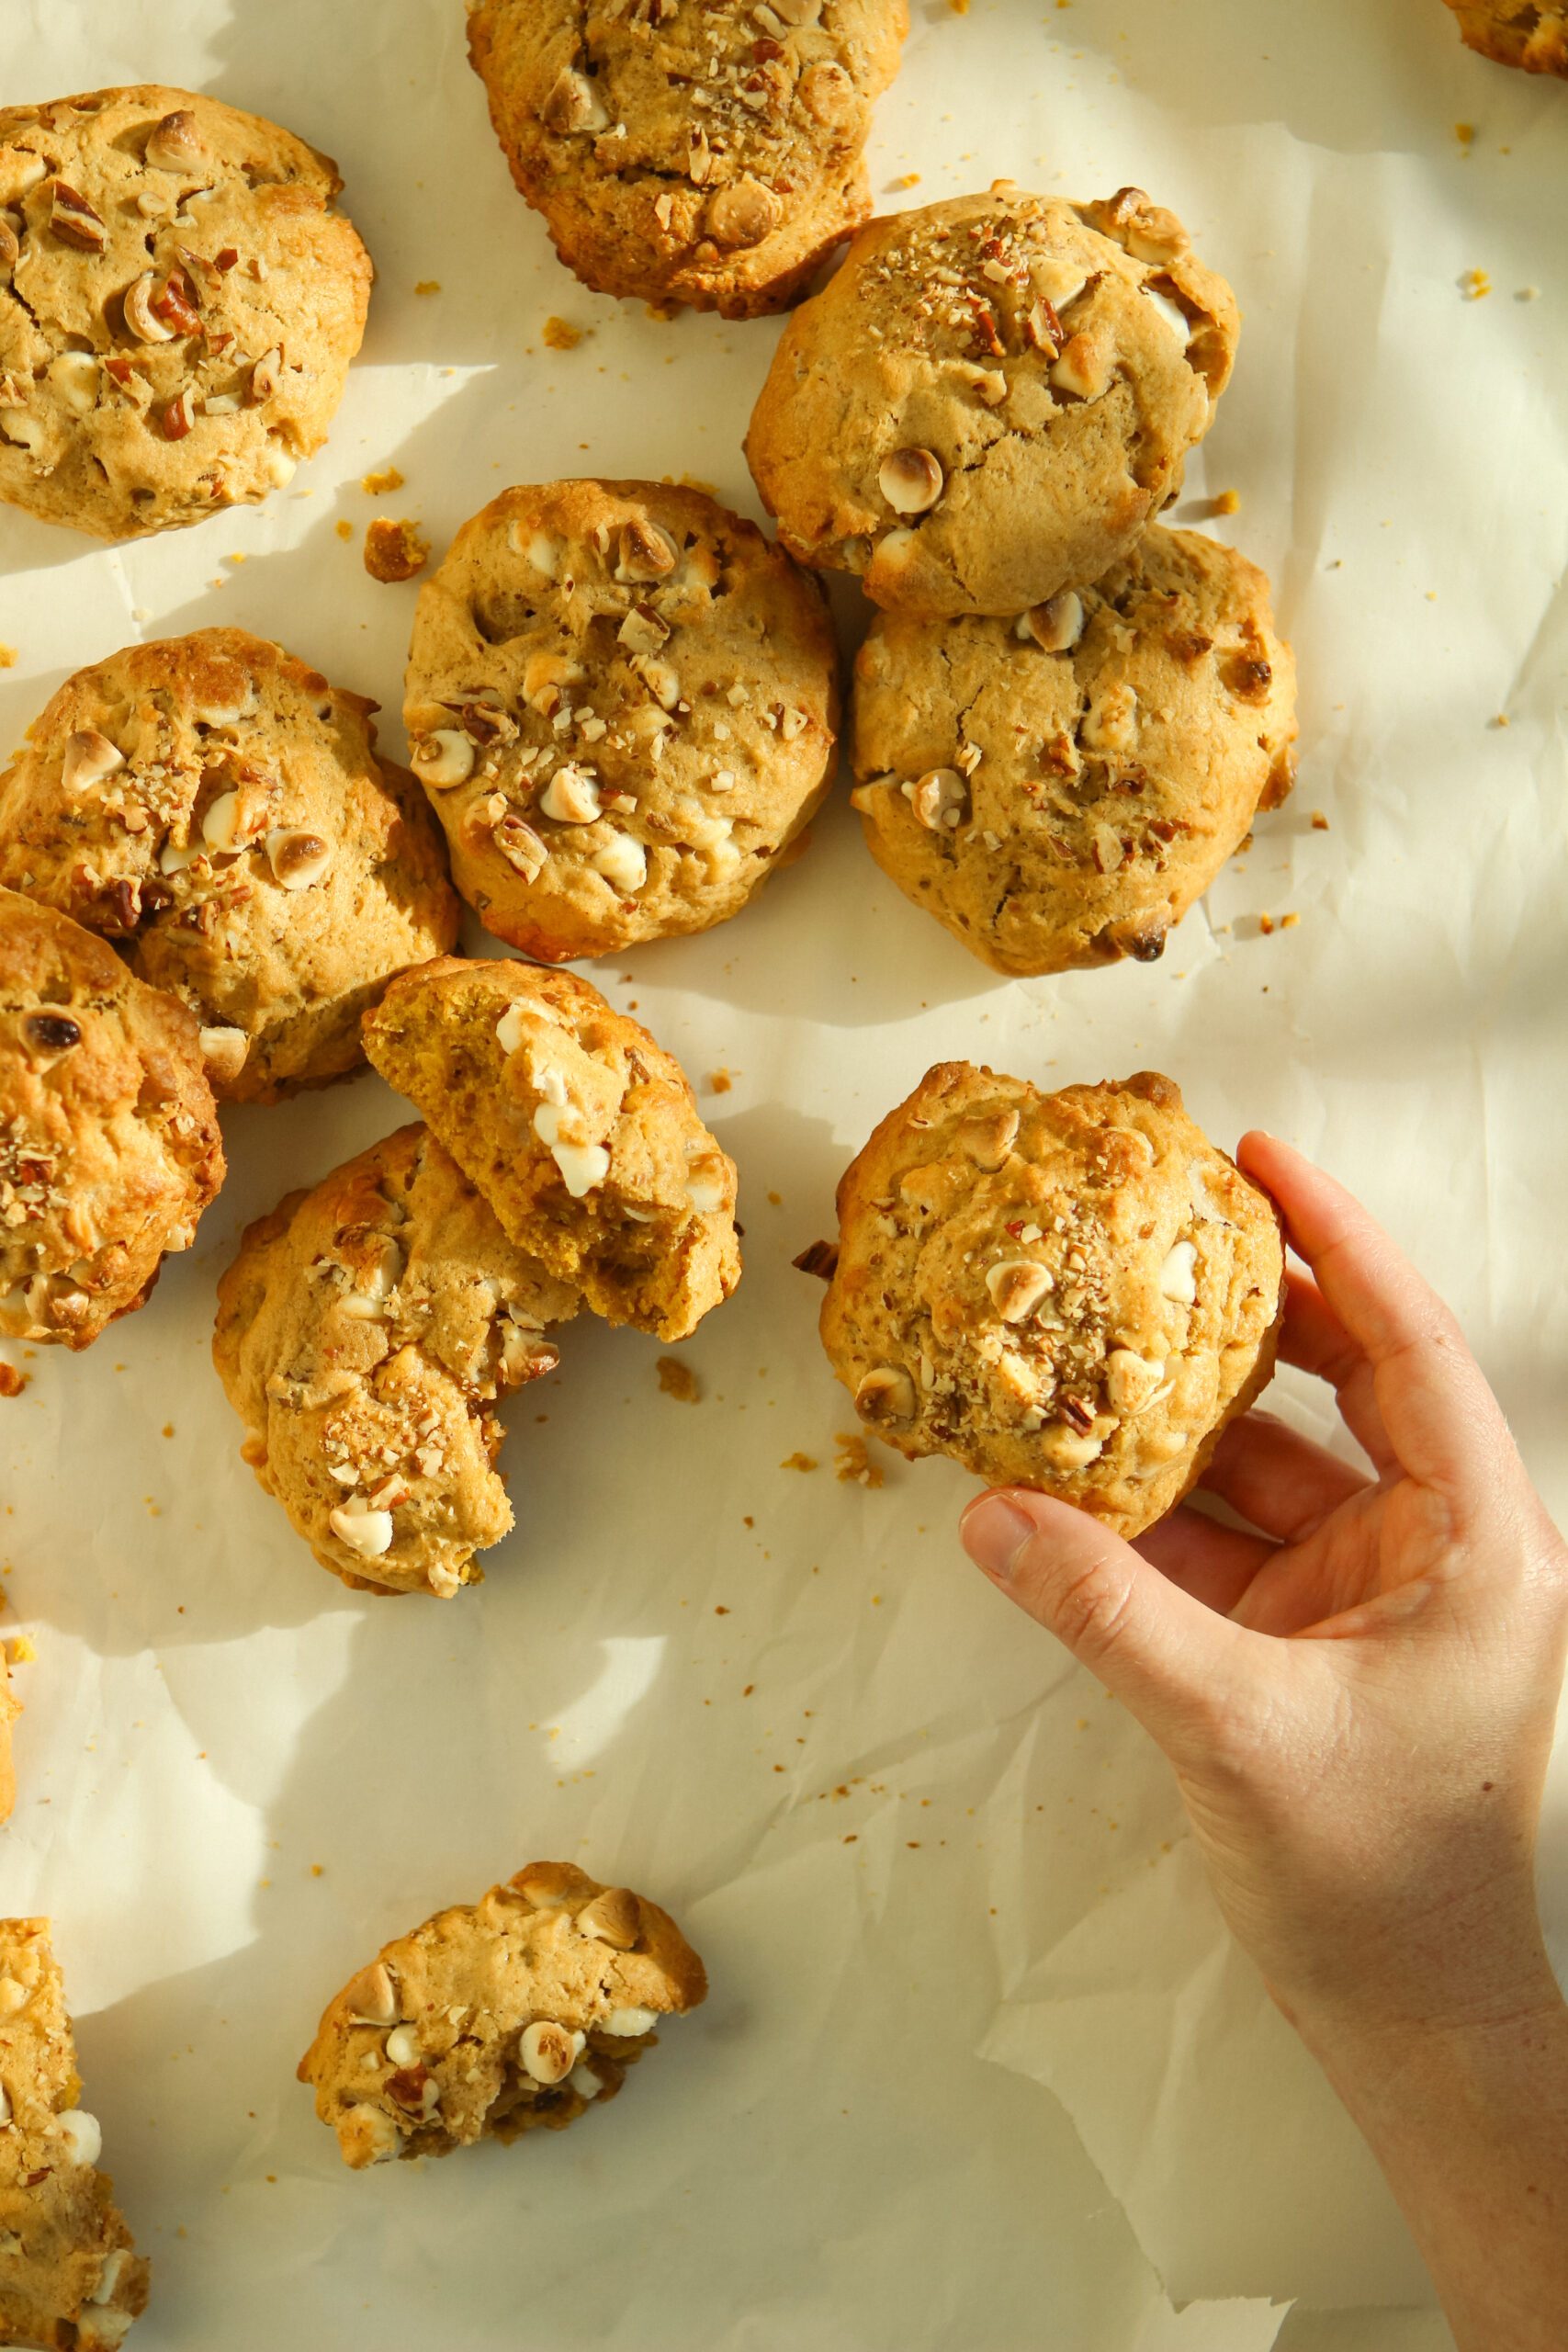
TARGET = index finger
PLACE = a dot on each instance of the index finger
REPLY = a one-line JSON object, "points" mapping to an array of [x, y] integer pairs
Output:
{"points": [[1442, 1420]]}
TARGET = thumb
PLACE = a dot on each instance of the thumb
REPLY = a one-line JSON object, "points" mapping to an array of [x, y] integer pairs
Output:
{"points": [[1167, 1656]]}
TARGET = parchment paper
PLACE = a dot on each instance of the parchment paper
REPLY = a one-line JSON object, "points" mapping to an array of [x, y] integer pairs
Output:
{"points": [[980, 2069]]}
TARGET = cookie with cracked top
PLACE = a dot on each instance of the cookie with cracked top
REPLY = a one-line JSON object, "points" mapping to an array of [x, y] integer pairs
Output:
{"points": [[707, 155], [109, 1147], [511, 2015], [623, 701], [1528, 33], [1057, 789], [993, 397], [364, 1332], [71, 2279], [577, 1126], [218, 811], [1075, 1292], [185, 307]]}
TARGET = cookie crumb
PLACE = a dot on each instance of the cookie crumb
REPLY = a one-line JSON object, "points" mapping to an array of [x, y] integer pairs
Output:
{"points": [[678, 1380], [12, 1382], [1228, 502], [428, 286], [906, 179], [821, 1258], [394, 552], [7, 657], [1319, 821], [1288, 923], [1474, 285], [853, 1461], [344, 530], [719, 1081], [378, 485], [1465, 134], [959, 8], [561, 336], [1266, 925], [1525, 294], [20, 1650], [798, 1462]]}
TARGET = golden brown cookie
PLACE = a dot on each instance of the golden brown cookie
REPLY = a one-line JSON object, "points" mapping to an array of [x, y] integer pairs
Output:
{"points": [[1057, 789], [185, 306], [109, 1147], [704, 154], [580, 1132], [364, 1330], [71, 2279], [499, 2017], [1531, 33], [993, 397], [218, 811], [1074, 1292], [622, 701]]}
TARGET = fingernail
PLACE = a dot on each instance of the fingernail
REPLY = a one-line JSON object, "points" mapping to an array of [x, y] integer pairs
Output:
{"points": [[993, 1532]]}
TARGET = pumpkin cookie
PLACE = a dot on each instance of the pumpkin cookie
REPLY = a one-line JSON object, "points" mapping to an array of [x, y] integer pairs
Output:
{"points": [[1074, 1292], [992, 398], [579, 1131], [706, 155], [218, 811], [1058, 790], [622, 701], [109, 1147], [364, 1332], [499, 2017], [1531, 33], [70, 2274], [184, 309]]}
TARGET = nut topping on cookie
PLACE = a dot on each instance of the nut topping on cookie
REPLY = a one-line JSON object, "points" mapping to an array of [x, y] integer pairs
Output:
{"points": [[176, 143], [88, 757], [297, 859], [572, 104], [550, 2051], [73, 220], [614, 1917], [940, 800], [1017, 1288], [887, 1393], [911, 481], [372, 1996], [1057, 624]]}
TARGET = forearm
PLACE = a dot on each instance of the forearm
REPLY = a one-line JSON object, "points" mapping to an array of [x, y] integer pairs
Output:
{"points": [[1470, 2124]]}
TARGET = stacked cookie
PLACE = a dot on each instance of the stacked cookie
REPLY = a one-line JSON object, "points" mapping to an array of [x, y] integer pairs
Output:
{"points": [[1065, 715]]}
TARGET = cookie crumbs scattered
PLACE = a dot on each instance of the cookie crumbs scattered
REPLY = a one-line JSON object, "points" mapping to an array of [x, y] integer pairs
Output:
{"points": [[428, 286], [1319, 821], [959, 8], [378, 485], [20, 1650], [394, 552], [719, 1081], [12, 1382], [798, 1462], [1266, 925], [906, 179], [853, 1462], [678, 1380], [819, 1258], [318, 1870], [1474, 285], [8, 656], [344, 530], [1288, 923], [1228, 502], [747, 1690], [1464, 132], [775, 1200], [1525, 294], [561, 336], [168, 1428], [1501, 720]]}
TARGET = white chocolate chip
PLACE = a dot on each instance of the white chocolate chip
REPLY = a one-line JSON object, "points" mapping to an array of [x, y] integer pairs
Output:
{"points": [[940, 800], [109, 2276], [1175, 317], [623, 862], [911, 481], [582, 1165], [1066, 1448], [224, 1052], [1178, 1276], [571, 797], [89, 756], [572, 104], [82, 2135], [372, 1996], [221, 826], [614, 1917], [366, 1532], [1055, 626], [630, 2021], [585, 2082], [1130, 1379], [297, 859], [75, 375], [445, 758], [708, 1181], [402, 2046], [1017, 1288], [509, 1029]]}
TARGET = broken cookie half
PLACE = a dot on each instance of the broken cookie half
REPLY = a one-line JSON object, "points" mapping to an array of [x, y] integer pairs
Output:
{"points": [[365, 1332], [496, 2018], [70, 2275], [579, 1130]]}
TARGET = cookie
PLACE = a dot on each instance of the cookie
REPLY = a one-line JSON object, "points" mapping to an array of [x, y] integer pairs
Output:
{"points": [[706, 155], [217, 811], [109, 1147], [1532, 33], [499, 2017], [70, 2275], [1074, 1292], [186, 308], [622, 701], [580, 1132], [364, 1330], [992, 398], [1057, 789]]}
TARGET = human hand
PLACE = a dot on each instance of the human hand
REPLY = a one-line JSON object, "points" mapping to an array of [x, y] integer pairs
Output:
{"points": [[1357, 1692]]}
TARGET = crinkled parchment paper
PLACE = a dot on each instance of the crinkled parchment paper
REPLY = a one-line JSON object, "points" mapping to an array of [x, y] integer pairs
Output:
{"points": [[980, 2069]]}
